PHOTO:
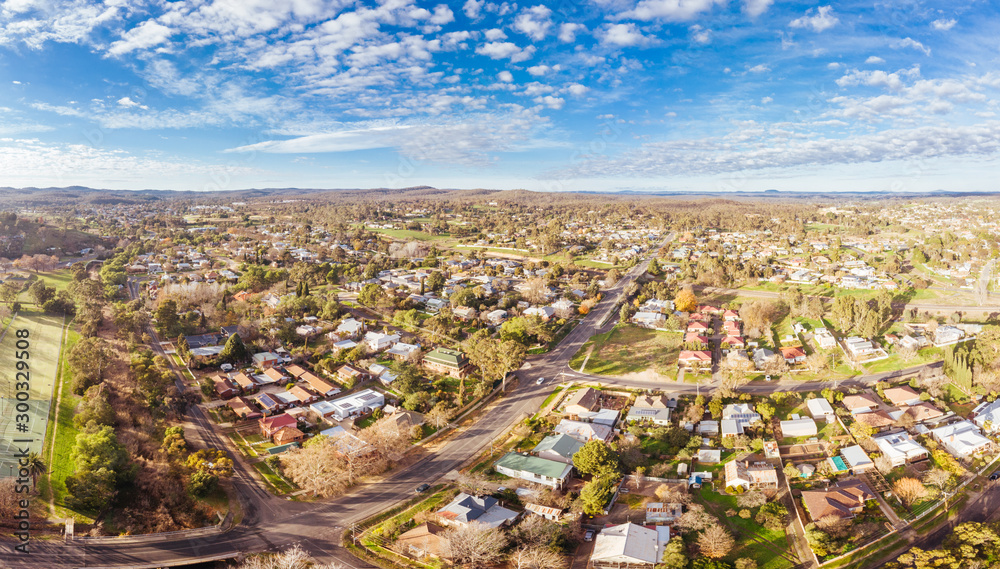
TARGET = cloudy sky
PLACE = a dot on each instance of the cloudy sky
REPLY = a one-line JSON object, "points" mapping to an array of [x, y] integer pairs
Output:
{"points": [[700, 95]]}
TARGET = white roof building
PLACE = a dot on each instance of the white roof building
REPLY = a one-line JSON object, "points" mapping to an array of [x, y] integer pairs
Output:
{"points": [[857, 459], [628, 545], [900, 448], [357, 404], [803, 427], [820, 408], [961, 439], [987, 412]]}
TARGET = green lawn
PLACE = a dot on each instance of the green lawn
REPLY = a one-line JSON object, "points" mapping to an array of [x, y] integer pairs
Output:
{"points": [[766, 556], [628, 349], [278, 483], [57, 457]]}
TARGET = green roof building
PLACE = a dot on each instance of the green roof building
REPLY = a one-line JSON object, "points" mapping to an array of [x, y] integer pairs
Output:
{"points": [[534, 469], [559, 448], [448, 362]]}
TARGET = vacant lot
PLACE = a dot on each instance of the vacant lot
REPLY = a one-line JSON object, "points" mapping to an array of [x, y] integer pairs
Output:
{"points": [[43, 342], [630, 349]]}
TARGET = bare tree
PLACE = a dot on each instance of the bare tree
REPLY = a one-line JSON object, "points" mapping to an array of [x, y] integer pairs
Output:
{"points": [[909, 490], [538, 557], [752, 499], [473, 483], [476, 545], [937, 477], [294, 558], [315, 469], [670, 494], [834, 526], [696, 519], [883, 464], [715, 542]]}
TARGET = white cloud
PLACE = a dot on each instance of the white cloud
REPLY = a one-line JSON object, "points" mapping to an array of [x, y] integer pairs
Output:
{"points": [[760, 68], [472, 8], [700, 35], [494, 34], [534, 22], [874, 60], [145, 35], [819, 19], [128, 103], [505, 50], [833, 65], [505, 76], [879, 78], [623, 35], [577, 90], [442, 15], [539, 70], [670, 10], [16, 82], [944, 25], [911, 43], [550, 101], [755, 147], [754, 8], [766, 100], [568, 31]]}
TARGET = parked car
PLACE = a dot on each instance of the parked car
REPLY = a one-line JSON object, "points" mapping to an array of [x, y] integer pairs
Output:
{"points": [[589, 535], [995, 476], [540, 380], [422, 488]]}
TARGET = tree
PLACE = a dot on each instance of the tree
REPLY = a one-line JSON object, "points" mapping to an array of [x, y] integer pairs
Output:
{"points": [[167, 319], [235, 350], [791, 472], [745, 563], [596, 459], [35, 465], [685, 301], [674, 555], [370, 295], [476, 545], [596, 494], [91, 490], [752, 499], [173, 441], [440, 414], [494, 358], [9, 291], [695, 519], [88, 359], [909, 490], [715, 542], [766, 410], [937, 477], [41, 292], [537, 557], [213, 461], [294, 558], [772, 515]]}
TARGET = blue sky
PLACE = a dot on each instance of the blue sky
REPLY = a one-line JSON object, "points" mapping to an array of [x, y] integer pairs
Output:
{"points": [[698, 95]]}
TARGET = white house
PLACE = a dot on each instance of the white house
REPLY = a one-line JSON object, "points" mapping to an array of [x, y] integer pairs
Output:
{"points": [[378, 341], [358, 403], [945, 335], [987, 415], [350, 328], [824, 338], [961, 439], [857, 459], [629, 545], [584, 432], [802, 427], [820, 408], [649, 319], [738, 416], [543, 312], [900, 448]]}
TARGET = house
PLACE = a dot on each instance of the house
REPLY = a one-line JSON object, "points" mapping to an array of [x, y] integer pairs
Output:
{"points": [[549, 513], [793, 355], [224, 388], [739, 416], [402, 351], [629, 546], [649, 408], [962, 439], [268, 404], [859, 347], [356, 404], [923, 411], [560, 448], [534, 469], [900, 448], [844, 500], [875, 419], [274, 375], [295, 371], [902, 395], [945, 335], [649, 319], [802, 427], [862, 403], [543, 312], [693, 338], [319, 385], [695, 359], [709, 455], [466, 509], [660, 513], [271, 425], [301, 395], [986, 416], [243, 408], [820, 408], [324, 409], [734, 342], [710, 428], [496, 317], [581, 401], [426, 540], [824, 338], [378, 341], [448, 362], [264, 360], [761, 356], [756, 475], [350, 374], [857, 459], [464, 313], [349, 329], [584, 432], [287, 435]]}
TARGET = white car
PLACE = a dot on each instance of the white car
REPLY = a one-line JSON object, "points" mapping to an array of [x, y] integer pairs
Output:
{"points": [[539, 381]]}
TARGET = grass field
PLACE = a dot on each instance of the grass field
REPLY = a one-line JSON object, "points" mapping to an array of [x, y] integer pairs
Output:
{"points": [[410, 234], [43, 343], [627, 349]]}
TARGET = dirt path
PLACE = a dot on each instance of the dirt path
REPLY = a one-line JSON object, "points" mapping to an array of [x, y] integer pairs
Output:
{"points": [[586, 359], [57, 387], [647, 375]]}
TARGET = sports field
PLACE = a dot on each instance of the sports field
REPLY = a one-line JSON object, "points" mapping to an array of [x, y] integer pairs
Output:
{"points": [[44, 340]]}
